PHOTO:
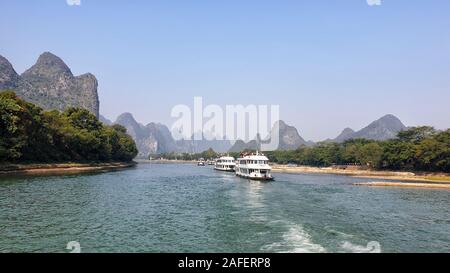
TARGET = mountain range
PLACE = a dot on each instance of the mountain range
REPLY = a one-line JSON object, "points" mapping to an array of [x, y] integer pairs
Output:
{"points": [[50, 84], [387, 127], [289, 139], [155, 138]]}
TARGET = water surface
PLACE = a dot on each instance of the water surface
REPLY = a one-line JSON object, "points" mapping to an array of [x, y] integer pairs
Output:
{"points": [[185, 208]]}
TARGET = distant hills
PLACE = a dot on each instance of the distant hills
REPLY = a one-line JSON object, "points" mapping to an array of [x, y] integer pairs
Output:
{"points": [[387, 127], [150, 139], [155, 138], [289, 139], [346, 134], [50, 84], [240, 145]]}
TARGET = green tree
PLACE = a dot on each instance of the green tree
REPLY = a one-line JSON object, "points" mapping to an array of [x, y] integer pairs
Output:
{"points": [[29, 134]]}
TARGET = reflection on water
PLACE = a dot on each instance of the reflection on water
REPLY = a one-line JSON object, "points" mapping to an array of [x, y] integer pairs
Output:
{"points": [[179, 208], [253, 194]]}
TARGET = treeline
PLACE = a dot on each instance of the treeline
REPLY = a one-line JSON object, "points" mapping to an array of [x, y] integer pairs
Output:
{"points": [[415, 149], [207, 155], [29, 134]]}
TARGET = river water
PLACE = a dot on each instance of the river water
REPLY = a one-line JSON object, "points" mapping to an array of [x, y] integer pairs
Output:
{"points": [[185, 208]]}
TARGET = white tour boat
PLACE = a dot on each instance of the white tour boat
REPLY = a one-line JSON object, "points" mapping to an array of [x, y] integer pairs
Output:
{"points": [[225, 163], [253, 166], [201, 162]]}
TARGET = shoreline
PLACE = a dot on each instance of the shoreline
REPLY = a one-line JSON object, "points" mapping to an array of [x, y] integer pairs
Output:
{"points": [[388, 175], [159, 161], [405, 185], [61, 168], [404, 179], [438, 178]]}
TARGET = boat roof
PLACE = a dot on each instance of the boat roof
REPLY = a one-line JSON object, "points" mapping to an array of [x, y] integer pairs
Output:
{"points": [[254, 157], [227, 158]]}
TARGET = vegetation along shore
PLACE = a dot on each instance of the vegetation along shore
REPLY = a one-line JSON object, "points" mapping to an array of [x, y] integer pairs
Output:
{"points": [[31, 135]]}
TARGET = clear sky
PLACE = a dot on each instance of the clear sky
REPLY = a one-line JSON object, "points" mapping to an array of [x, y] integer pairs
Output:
{"points": [[328, 64]]}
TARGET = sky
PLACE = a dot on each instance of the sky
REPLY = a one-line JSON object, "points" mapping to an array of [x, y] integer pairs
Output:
{"points": [[328, 64]]}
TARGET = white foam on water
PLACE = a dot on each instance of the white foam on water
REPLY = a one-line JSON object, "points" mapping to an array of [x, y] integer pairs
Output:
{"points": [[295, 240], [372, 247]]}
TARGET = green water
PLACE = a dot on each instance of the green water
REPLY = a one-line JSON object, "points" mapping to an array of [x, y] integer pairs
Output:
{"points": [[185, 208]]}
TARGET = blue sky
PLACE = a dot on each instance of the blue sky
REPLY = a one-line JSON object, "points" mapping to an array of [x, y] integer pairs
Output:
{"points": [[328, 64]]}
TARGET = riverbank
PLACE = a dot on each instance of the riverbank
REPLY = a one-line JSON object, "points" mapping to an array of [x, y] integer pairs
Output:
{"points": [[164, 161], [61, 168], [388, 175], [427, 185]]}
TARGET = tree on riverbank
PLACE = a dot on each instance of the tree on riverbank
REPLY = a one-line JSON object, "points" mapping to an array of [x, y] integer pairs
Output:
{"points": [[29, 134], [415, 149], [207, 155]]}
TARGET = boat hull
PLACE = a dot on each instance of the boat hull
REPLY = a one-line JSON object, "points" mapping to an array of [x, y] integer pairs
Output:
{"points": [[257, 178], [224, 170]]}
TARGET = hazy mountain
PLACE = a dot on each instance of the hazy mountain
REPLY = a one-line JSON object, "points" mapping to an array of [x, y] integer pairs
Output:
{"points": [[105, 120], [289, 139], [50, 84], [197, 146], [156, 138], [9, 79], [150, 139], [164, 140], [343, 136], [387, 127], [240, 145]]}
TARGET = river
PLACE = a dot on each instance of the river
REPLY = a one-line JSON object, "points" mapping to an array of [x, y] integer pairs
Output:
{"points": [[185, 208]]}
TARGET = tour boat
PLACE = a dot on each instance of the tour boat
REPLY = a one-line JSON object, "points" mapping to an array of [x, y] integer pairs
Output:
{"points": [[201, 162], [225, 163], [253, 166]]}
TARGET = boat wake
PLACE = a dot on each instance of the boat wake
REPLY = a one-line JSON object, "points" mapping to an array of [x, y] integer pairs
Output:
{"points": [[372, 247], [295, 240]]}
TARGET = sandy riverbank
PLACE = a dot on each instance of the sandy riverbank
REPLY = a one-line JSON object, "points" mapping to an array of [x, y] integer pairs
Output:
{"points": [[389, 175], [427, 185], [63, 168]]}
